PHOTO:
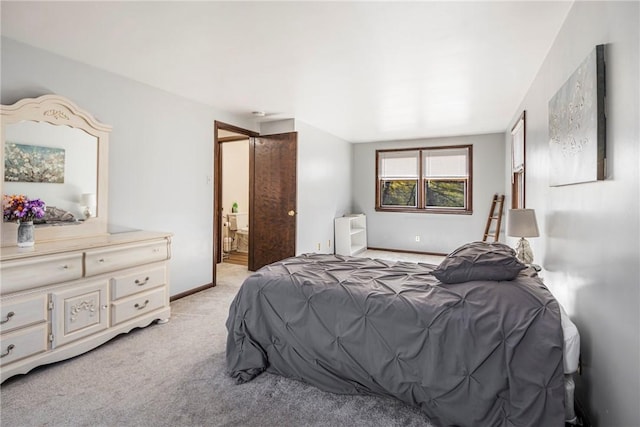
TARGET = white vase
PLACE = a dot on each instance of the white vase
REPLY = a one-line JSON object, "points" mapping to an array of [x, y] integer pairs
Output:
{"points": [[26, 234]]}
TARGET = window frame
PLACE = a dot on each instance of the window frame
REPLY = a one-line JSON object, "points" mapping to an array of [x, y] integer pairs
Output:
{"points": [[518, 162], [421, 195]]}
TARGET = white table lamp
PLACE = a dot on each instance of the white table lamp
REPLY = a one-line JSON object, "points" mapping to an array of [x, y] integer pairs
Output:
{"points": [[89, 203], [522, 223]]}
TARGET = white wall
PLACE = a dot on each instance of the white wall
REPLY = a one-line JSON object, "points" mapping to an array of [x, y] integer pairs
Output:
{"points": [[235, 184], [324, 187], [439, 233], [235, 175], [590, 232], [161, 150], [274, 127]]}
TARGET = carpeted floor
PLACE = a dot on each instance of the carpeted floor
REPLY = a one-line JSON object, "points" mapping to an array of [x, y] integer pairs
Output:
{"points": [[175, 375]]}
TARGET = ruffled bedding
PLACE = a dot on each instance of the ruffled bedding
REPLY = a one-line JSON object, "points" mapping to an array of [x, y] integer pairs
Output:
{"points": [[475, 353]]}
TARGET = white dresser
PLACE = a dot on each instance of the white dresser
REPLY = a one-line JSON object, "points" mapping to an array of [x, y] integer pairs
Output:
{"points": [[63, 298]]}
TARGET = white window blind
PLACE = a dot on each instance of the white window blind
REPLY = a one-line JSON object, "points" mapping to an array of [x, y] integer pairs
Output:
{"points": [[446, 163], [399, 165], [517, 146]]}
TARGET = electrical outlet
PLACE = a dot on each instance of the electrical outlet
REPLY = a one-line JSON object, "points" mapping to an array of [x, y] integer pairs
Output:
{"points": [[417, 238], [329, 243], [318, 246]]}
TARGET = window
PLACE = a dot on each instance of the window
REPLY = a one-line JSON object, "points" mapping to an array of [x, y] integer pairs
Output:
{"points": [[434, 179], [399, 173], [518, 163]]}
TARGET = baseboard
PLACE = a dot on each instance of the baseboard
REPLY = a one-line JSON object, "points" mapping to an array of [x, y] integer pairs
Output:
{"points": [[191, 291], [406, 252]]}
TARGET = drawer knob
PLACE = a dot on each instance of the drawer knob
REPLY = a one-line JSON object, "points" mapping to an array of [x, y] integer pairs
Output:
{"points": [[101, 260], [9, 316], [65, 267], [142, 282], [140, 307], [9, 349]]}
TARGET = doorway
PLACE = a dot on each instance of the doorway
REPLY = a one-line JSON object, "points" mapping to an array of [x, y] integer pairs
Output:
{"points": [[235, 142], [271, 201], [234, 230]]}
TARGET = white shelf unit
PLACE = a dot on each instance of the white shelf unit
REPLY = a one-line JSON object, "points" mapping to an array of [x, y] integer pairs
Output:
{"points": [[350, 234]]}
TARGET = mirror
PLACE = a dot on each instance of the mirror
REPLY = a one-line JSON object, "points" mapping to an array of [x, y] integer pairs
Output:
{"points": [[56, 152], [64, 175]]}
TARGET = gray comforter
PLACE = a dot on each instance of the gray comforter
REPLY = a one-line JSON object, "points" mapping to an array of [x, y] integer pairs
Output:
{"points": [[480, 353]]}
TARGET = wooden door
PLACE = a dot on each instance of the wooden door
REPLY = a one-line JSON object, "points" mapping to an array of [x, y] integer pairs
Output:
{"points": [[272, 214]]}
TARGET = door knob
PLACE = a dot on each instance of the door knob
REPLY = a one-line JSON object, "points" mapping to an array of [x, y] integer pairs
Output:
{"points": [[291, 212]]}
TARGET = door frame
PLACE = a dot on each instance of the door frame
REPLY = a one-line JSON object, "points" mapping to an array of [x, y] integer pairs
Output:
{"points": [[217, 185]]}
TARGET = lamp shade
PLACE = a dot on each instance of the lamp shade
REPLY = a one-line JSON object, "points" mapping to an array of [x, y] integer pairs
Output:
{"points": [[89, 199], [522, 223]]}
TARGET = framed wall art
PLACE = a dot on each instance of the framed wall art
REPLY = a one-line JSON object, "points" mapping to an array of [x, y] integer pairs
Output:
{"points": [[577, 122], [33, 163]]}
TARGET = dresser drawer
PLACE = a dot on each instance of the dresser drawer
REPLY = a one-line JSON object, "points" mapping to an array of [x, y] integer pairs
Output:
{"points": [[33, 272], [99, 261], [132, 281], [136, 305], [23, 343], [17, 313]]}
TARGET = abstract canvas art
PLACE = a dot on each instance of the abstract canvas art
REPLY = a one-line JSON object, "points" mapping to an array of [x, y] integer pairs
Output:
{"points": [[33, 163], [577, 124]]}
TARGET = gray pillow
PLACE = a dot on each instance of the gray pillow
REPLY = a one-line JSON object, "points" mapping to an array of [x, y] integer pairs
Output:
{"points": [[479, 261]]}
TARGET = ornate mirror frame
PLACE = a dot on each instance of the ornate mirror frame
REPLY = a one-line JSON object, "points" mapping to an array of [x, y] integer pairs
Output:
{"points": [[59, 111], [518, 162]]}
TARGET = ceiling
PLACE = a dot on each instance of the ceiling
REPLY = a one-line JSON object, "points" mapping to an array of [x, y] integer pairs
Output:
{"points": [[363, 71]]}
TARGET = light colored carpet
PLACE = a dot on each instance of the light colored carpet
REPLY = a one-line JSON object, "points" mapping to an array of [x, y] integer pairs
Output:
{"points": [[175, 375]]}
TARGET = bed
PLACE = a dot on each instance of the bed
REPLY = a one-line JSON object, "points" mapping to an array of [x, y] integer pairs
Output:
{"points": [[486, 351]]}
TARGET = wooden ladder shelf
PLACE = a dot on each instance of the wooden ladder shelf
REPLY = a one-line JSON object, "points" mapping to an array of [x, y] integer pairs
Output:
{"points": [[498, 201]]}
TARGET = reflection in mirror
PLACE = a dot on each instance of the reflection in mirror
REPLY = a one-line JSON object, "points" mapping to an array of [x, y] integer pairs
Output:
{"points": [[51, 163], [57, 152]]}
